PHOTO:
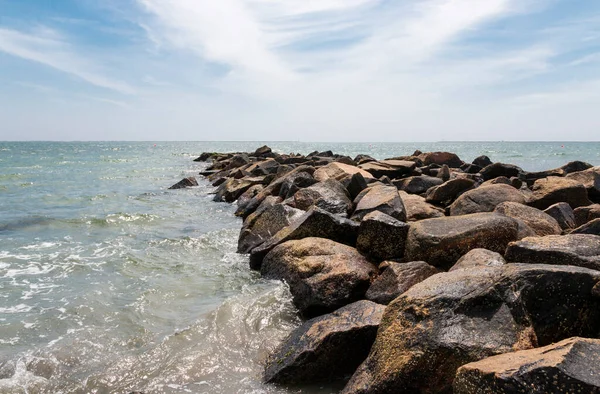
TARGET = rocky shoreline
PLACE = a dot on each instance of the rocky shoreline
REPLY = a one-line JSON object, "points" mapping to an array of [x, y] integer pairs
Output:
{"points": [[423, 273]]}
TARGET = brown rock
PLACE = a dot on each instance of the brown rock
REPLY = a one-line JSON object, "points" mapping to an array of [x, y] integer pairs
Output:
{"points": [[340, 172], [441, 158], [586, 214], [185, 182], [449, 191], [478, 258], [398, 278], [418, 209], [381, 237], [379, 198], [563, 214], [329, 195], [590, 178], [549, 191], [485, 199], [417, 184], [541, 223]]}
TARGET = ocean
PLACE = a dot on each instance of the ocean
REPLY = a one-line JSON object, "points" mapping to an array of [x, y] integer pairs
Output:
{"points": [[110, 283]]}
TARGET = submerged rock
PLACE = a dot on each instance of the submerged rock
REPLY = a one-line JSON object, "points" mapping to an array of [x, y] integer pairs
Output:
{"points": [[185, 182]]}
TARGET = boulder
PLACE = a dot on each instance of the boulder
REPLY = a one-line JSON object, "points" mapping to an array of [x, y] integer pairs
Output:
{"points": [[591, 227], [549, 191], [541, 223], [582, 250], [500, 169], [361, 159], [205, 156], [417, 184], [441, 158], [482, 161], [379, 168], [499, 180], [454, 318], [262, 151], [323, 275], [264, 167], [185, 182], [478, 258], [314, 223], [249, 195], [329, 195], [448, 191], [381, 237], [230, 190], [239, 160], [263, 224], [442, 241], [295, 182], [590, 178], [563, 214], [586, 214], [379, 198], [357, 184], [444, 173], [485, 199], [326, 348], [568, 366], [398, 278], [418, 209], [339, 171]]}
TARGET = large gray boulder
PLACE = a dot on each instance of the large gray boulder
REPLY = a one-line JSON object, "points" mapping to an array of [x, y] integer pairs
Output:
{"points": [[326, 348], [398, 278], [485, 199], [323, 275], [549, 191], [568, 366], [442, 241], [329, 195], [379, 198], [381, 237], [458, 317], [540, 222]]}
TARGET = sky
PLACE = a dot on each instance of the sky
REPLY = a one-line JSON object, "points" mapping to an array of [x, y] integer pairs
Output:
{"points": [[300, 70]]}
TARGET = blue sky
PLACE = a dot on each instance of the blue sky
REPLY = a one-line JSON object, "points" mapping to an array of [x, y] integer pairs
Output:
{"points": [[310, 70]]}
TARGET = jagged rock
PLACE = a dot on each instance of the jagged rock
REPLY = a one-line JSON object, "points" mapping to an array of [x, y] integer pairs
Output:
{"points": [[185, 182], [379, 198], [563, 214], [339, 171], [441, 158], [478, 258], [323, 275], [418, 209], [398, 278], [361, 159], [264, 167], [482, 161], [295, 182], [233, 188], [381, 237], [590, 178], [442, 241], [549, 191], [239, 161], [329, 195], [485, 199], [263, 150], [448, 191], [356, 185], [417, 184], [580, 250], [500, 169], [498, 180], [396, 170], [586, 214], [205, 156], [326, 348], [249, 195], [541, 223], [314, 223], [591, 227], [568, 366], [458, 317], [263, 224]]}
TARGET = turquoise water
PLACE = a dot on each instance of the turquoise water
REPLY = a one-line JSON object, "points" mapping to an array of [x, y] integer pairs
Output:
{"points": [[109, 282]]}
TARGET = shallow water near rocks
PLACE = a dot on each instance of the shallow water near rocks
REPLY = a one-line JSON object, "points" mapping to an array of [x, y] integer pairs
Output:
{"points": [[109, 282]]}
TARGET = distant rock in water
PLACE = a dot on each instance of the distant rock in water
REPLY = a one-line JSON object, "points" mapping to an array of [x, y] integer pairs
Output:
{"points": [[185, 182]]}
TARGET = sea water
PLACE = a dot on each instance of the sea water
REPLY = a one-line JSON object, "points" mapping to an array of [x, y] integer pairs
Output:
{"points": [[110, 283]]}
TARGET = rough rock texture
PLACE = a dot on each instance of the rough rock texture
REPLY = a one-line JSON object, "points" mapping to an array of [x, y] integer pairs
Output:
{"points": [[458, 317], [185, 182], [232, 188], [389, 168], [441, 158], [478, 258], [585, 214], [448, 191], [582, 250], [569, 366], [417, 184], [442, 241], [329, 195], [485, 199], [328, 347], [591, 227], [541, 223], [381, 237], [263, 224], [482, 161], [339, 171], [563, 214], [418, 209], [500, 169], [590, 178], [379, 198], [549, 191], [398, 278], [314, 223], [323, 275]]}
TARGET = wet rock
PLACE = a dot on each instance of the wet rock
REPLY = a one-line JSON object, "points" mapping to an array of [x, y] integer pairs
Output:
{"points": [[442, 241], [447, 192], [262, 151], [185, 182], [379, 198], [590, 178], [381, 237], [339, 171], [540, 222], [580, 250], [441, 158], [314, 223], [263, 224], [500, 169], [418, 209], [586, 214], [591, 227], [482, 161], [478, 258], [323, 275], [233, 188], [485, 199], [417, 184], [563, 214], [326, 348], [329, 195], [568, 366], [549, 191], [398, 278], [454, 318]]}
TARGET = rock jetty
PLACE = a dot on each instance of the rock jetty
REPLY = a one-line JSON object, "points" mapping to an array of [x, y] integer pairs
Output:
{"points": [[424, 273]]}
